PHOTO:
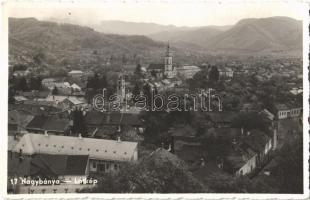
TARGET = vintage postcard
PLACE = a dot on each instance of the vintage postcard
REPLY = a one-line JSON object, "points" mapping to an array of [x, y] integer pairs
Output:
{"points": [[155, 99]]}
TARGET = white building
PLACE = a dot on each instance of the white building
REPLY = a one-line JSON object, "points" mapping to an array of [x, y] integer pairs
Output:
{"points": [[188, 71], [104, 155], [285, 111]]}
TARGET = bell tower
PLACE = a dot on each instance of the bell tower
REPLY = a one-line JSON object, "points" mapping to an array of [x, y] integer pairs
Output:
{"points": [[168, 63], [121, 89]]}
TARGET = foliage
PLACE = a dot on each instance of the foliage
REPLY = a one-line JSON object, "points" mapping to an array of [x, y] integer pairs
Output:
{"points": [[250, 121], [35, 83], [21, 84], [150, 176], [79, 124], [55, 91], [214, 74]]}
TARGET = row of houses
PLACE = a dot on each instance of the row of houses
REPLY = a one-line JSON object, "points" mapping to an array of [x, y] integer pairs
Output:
{"points": [[284, 111], [237, 151], [69, 160]]}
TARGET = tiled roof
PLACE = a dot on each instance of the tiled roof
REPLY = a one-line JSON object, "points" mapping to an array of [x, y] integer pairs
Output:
{"points": [[47, 165], [156, 66], [96, 148], [222, 116], [257, 140], [113, 118], [51, 123], [183, 131]]}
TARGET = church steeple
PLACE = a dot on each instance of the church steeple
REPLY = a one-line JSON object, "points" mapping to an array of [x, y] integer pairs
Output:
{"points": [[168, 62]]}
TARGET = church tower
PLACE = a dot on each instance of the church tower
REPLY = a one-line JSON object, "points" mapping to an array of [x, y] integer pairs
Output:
{"points": [[168, 63], [121, 89]]}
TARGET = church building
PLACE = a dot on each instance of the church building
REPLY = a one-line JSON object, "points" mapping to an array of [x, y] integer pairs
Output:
{"points": [[163, 70]]}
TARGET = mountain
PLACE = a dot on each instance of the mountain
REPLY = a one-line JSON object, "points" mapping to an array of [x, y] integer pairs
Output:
{"points": [[67, 44], [197, 36], [274, 34], [134, 28]]}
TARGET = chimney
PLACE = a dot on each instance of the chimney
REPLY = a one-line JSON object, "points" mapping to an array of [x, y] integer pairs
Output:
{"points": [[162, 145], [80, 136], [242, 131], [45, 133], [248, 133], [119, 139], [15, 136]]}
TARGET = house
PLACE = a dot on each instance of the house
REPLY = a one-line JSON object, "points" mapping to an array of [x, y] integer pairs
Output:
{"points": [[18, 120], [35, 108], [20, 73], [65, 102], [48, 82], [75, 74], [226, 72], [34, 95], [241, 160], [48, 125], [75, 87], [165, 69], [188, 71], [19, 99], [65, 168], [260, 143], [222, 119], [104, 155], [284, 111]]}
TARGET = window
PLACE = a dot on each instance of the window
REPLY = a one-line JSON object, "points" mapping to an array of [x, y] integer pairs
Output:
{"points": [[94, 165], [115, 166], [39, 144], [54, 145], [88, 149], [46, 145], [72, 147], [105, 151], [107, 166], [241, 172], [62, 146], [101, 167], [97, 150], [114, 151], [80, 148]]}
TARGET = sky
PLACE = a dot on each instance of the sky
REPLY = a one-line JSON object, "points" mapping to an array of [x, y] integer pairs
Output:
{"points": [[179, 13]]}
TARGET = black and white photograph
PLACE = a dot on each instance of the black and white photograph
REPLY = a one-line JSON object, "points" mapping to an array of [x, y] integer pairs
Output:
{"points": [[157, 97]]}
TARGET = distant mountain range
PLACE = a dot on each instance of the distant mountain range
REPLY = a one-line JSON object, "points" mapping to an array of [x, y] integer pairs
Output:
{"points": [[273, 34], [67, 43]]}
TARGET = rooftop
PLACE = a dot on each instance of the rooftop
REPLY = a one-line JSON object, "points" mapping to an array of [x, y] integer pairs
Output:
{"points": [[64, 145], [50, 123]]}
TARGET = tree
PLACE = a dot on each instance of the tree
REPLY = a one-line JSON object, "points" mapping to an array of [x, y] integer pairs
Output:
{"points": [[153, 73], [214, 74], [147, 91], [161, 172], [136, 90], [11, 95], [79, 124], [18, 67], [138, 70], [55, 91], [250, 121], [35, 83], [22, 84]]}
